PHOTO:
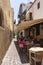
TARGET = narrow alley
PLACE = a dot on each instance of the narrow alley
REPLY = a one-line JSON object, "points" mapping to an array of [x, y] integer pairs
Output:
{"points": [[12, 56], [21, 32]]}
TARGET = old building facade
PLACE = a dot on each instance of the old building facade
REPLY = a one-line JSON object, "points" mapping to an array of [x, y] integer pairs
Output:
{"points": [[36, 10], [34, 21]]}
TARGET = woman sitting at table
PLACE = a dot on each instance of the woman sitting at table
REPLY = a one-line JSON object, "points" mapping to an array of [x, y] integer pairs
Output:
{"points": [[22, 43]]}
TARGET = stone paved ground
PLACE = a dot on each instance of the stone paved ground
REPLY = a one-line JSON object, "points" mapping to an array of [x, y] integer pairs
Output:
{"points": [[12, 57]]}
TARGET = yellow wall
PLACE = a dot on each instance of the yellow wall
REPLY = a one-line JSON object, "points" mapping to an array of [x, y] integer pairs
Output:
{"points": [[6, 31], [12, 20], [4, 42]]}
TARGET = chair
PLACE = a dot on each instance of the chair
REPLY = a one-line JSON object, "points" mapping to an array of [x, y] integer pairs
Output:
{"points": [[37, 58], [28, 47]]}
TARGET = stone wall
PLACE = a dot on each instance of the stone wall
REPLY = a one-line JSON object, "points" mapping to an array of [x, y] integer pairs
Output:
{"points": [[6, 31], [4, 42]]}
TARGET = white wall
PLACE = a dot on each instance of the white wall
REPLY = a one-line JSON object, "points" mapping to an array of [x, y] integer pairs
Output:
{"points": [[38, 13]]}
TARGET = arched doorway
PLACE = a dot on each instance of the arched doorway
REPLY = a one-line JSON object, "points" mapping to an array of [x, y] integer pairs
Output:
{"points": [[1, 18]]}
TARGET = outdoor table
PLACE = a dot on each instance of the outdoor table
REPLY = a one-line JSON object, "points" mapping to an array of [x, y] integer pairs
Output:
{"points": [[34, 50]]}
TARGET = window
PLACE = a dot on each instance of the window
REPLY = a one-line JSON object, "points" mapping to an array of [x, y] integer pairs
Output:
{"points": [[1, 17], [38, 29], [30, 16], [38, 5]]}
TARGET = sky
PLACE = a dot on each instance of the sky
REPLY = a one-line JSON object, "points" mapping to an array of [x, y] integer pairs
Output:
{"points": [[15, 4]]}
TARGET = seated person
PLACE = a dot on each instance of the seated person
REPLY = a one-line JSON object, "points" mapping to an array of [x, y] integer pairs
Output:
{"points": [[23, 43]]}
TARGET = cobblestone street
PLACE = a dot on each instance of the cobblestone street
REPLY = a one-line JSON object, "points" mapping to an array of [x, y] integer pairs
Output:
{"points": [[12, 57]]}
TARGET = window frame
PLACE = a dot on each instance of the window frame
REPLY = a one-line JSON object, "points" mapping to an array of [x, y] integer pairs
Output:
{"points": [[38, 5]]}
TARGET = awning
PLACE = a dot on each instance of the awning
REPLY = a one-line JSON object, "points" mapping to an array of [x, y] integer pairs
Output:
{"points": [[26, 24]]}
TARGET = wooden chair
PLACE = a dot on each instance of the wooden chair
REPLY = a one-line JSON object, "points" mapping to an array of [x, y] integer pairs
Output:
{"points": [[37, 58], [28, 47]]}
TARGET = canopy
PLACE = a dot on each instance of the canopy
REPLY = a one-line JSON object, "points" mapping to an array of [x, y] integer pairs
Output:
{"points": [[25, 24]]}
